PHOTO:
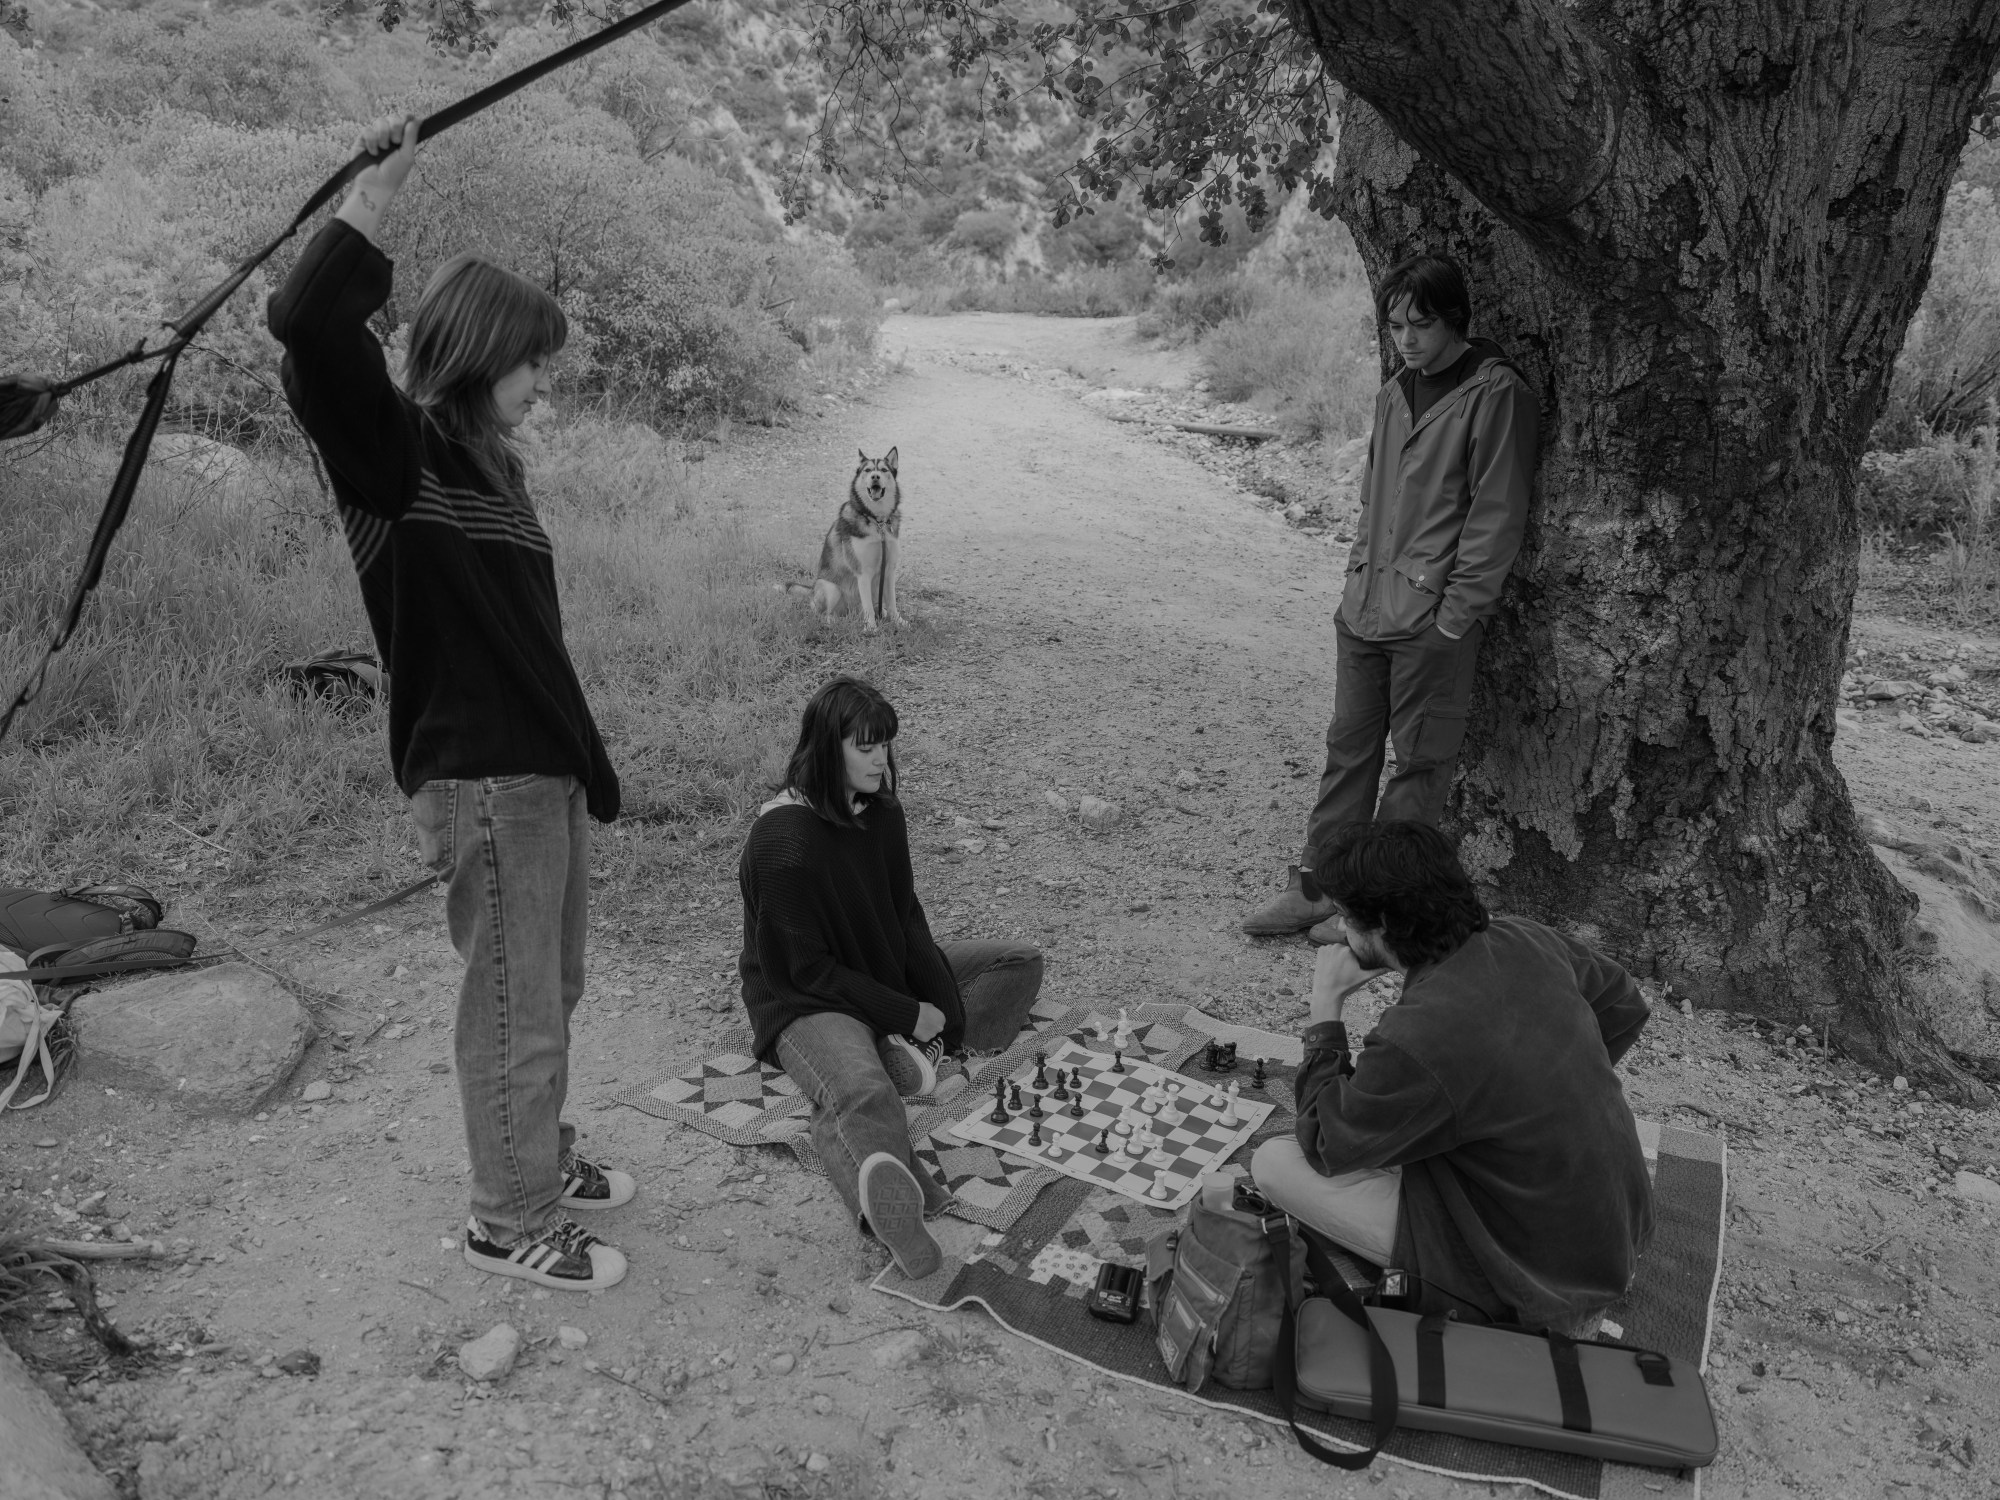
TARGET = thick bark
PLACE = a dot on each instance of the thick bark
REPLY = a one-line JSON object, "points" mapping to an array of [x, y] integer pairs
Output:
{"points": [[1702, 237]]}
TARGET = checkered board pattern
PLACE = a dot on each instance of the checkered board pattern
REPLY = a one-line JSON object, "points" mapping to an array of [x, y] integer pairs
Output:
{"points": [[1199, 1143]]}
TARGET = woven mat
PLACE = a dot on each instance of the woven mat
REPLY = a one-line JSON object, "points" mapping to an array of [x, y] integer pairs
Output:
{"points": [[735, 1098], [1032, 1274]]}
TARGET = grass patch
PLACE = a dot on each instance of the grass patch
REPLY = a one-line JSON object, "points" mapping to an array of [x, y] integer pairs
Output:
{"points": [[164, 707]]}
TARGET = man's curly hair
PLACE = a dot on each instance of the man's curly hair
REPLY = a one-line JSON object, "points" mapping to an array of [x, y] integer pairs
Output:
{"points": [[1403, 878]]}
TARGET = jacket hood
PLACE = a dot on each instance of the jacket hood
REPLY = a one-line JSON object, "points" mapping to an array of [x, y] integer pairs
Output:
{"points": [[1485, 353]]}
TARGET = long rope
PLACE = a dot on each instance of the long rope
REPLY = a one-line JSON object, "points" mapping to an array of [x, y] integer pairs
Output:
{"points": [[26, 401]]}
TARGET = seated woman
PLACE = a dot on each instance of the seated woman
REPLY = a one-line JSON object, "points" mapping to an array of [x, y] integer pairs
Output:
{"points": [[846, 988]]}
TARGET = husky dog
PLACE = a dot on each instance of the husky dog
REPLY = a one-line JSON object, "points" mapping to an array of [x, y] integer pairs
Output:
{"points": [[863, 550]]}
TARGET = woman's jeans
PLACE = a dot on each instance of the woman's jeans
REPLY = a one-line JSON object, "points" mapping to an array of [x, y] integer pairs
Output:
{"points": [[516, 850], [836, 1061]]}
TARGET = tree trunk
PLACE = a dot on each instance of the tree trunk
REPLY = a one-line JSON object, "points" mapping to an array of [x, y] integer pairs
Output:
{"points": [[1701, 239]]}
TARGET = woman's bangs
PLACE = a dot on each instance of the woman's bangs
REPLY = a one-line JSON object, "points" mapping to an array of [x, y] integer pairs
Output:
{"points": [[872, 723]]}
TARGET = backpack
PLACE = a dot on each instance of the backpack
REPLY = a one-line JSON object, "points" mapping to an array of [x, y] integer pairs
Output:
{"points": [[90, 930], [1218, 1291]]}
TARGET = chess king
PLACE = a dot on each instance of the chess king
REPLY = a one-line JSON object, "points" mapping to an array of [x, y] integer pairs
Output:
{"points": [[1481, 1141], [846, 988]]}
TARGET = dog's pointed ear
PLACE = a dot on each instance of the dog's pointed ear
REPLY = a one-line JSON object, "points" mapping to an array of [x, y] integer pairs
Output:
{"points": [[864, 458], [889, 460]]}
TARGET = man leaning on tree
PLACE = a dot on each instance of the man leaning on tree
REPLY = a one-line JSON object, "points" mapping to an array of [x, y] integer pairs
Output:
{"points": [[1444, 498]]}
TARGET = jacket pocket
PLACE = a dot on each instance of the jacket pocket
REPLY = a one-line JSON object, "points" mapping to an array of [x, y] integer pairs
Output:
{"points": [[1413, 595], [1354, 593]]}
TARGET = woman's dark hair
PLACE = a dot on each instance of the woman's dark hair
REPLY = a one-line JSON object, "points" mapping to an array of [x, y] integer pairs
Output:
{"points": [[1405, 880], [1436, 289], [818, 770]]}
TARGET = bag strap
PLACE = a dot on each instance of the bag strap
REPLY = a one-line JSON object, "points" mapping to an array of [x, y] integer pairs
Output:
{"points": [[1383, 1401], [1570, 1389], [35, 1048]]}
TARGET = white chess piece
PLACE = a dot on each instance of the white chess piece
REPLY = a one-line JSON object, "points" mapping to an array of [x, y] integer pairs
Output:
{"points": [[1122, 1039], [1158, 1189], [1231, 1101]]}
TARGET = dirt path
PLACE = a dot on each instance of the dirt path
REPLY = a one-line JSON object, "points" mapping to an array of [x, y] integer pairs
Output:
{"points": [[1096, 614]]}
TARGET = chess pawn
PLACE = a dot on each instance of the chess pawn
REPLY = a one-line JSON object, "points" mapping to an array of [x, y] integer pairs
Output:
{"points": [[1076, 1104], [1035, 1109], [1035, 1134], [1257, 1078], [1061, 1095], [1103, 1146], [1170, 1116], [1118, 1060], [1158, 1188]]}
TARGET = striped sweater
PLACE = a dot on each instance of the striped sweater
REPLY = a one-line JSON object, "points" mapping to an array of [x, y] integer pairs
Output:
{"points": [[459, 582]]}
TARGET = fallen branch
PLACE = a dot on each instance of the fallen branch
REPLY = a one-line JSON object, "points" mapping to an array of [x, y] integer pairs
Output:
{"points": [[898, 1328], [1205, 429], [426, 1290], [97, 1250]]}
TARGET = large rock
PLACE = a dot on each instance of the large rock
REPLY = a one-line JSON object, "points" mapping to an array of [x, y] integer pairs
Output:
{"points": [[222, 1039], [491, 1355], [39, 1458], [1954, 936]]}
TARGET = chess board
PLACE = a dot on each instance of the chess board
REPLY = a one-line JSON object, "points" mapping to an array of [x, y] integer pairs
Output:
{"points": [[1196, 1145]]}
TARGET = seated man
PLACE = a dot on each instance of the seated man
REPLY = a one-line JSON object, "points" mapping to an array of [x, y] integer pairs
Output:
{"points": [[1482, 1142]]}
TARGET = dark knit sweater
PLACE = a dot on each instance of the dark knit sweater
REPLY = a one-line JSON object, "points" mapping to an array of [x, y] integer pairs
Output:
{"points": [[459, 582], [831, 921], [1490, 1083]]}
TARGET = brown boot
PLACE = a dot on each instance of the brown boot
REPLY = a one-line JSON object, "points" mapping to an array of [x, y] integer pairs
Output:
{"points": [[1332, 930], [1294, 911]]}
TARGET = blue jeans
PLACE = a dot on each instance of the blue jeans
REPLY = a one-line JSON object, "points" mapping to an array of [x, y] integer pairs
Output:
{"points": [[517, 852], [836, 1061]]}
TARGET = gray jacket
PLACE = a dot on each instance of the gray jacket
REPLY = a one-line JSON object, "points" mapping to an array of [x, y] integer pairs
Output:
{"points": [[1443, 504]]}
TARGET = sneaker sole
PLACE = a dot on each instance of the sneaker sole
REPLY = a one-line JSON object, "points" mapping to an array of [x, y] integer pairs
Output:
{"points": [[907, 1057], [894, 1203], [606, 1264], [623, 1189]]}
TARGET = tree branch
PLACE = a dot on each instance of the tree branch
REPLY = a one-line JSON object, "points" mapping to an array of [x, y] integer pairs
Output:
{"points": [[1517, 100]]}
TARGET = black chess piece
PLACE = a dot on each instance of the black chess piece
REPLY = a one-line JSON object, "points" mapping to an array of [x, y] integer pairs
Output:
{"points": [[1229, 1057], [1035, 1109], [1103, 1146], [1076, 1104], [1014, 1097], [1041, 1071], [1257, 1078], [1076, 1081], [1061, 1095], [999, 1115], [1212, 1057], [1035, 1132], [1117, 1061]]}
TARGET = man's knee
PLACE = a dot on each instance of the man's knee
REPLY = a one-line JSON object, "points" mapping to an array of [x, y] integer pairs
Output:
{"points": [[863, 1087], [1275, 1167]]}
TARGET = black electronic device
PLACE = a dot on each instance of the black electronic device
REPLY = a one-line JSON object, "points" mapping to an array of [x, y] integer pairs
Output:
{"points": [[1115, 1298], [1248, 1199]]}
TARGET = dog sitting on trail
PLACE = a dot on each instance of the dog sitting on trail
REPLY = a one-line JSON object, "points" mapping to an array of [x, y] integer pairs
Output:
{"points": [[863, 550]]}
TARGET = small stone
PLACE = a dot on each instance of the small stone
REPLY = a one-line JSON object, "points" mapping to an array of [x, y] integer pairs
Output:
{"points": [[1098, 815], [1887, 690], [317, 1090], [818, 1463], [838, 1304], [1977, 1189], [822, 1404], [899, 1350], [1923, 1359], [491, 1355], [1187, 781], [298, 1362], [784, 1364], [1900, 1084], [1745, 1387], [1056, 800], [46, 1143], [1842, 1315], [571, 1338]]}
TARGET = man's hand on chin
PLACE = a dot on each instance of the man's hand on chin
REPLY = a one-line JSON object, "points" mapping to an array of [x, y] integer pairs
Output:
{"points": [[1337, 973]]}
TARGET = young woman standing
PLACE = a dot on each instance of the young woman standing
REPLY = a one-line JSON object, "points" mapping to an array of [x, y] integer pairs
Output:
{"points": [[846, 988], [489, 732]]}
